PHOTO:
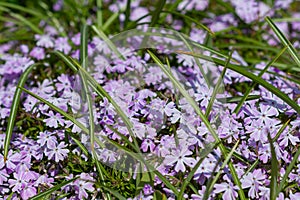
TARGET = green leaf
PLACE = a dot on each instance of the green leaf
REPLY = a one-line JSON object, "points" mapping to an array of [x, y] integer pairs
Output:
{"points": [[27, 22], [113, 192], [211, 184], [14, 109], [284, 41], [288, 171], [258, 80], [274, 171], [240, 104], [193, 103], [203, 154], [217, 87], [51, 190]]}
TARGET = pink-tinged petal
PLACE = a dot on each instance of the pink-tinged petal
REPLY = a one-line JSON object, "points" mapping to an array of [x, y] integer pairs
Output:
{"points": [[180, 166]]}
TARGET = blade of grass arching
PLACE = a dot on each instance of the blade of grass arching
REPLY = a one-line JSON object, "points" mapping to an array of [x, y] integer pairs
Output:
{"points": [[84, 62], [54, 20], [99, 14], [56, 109], [172, 7], [251, 168], [27, 22], [102, 35], [150, 167], [288, 171], [14, 109], [211, 184], [284, 41], [187, 180], [127, 13], [282, 128], [274, 171], [240, 104], [23, 9], [244, 72], [187, 18], [99, 90], [110, 20], [217, 87], [192, 102], [51, 190], [113, 192], [196, 59], [154, 18], [237, 99], [80, 145]]}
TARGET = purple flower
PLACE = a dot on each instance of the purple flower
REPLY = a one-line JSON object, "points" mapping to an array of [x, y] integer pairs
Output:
{"points": [[54, 119], [44, 41], [63, 83], [228, 189], [147, 143], [83, 185], [253, 180], [58, 152], [147, 189], [180, 158], [62, 44], [38, 53], [18, 183], [46, 138]]}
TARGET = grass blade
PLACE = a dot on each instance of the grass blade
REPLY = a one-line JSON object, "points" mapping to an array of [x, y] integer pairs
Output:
{"points": [[284, 41], [288, 171], [113, 192], [217, 87], [205, 153], [27, 22], [240, 104], [51, 190], [14, 109], [274, 171], [99, 14], [253, 77], [211, 184], [192, 102]]}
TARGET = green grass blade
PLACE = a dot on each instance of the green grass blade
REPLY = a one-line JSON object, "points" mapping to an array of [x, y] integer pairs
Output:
{"points": [[282, 128], [240, 104], [113, 192], [288, 171], [187, 18], [51, 190], [237, 99], [251, 168], [56, 109], [187, 180], [102, 35], [14, 109], [99, 14], [127, 13], [217, 87], [27, 22], [110, 20], [23, 9], [274, 171], [211, 184], [284, 40], [253, 77], [192, 102]]}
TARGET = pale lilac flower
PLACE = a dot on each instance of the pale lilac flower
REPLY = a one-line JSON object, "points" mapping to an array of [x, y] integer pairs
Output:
{"points": [[147, 144], [83, 185], [229, 190], [54, 119], [62, 44], [180, 158], [18, 183], [253, 180], [38, 53], [47, 138], [58, 152], [44, 41], [63, 83]]}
